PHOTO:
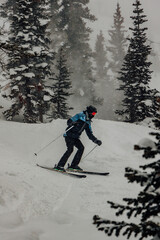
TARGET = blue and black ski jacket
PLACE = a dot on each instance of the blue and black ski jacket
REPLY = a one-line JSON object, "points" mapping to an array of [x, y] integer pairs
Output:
{"points": [[78, 124]]}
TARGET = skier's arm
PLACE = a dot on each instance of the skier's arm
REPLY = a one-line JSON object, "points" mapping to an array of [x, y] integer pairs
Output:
{"points": [[91, 136]]}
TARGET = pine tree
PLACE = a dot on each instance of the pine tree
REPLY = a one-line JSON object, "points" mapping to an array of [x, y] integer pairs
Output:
{"points": [[61, 88], [146, 205], [116, 49], [100, 57], [135, 74], [100, 69], [73, 16], [117, 42], [29, 64]]}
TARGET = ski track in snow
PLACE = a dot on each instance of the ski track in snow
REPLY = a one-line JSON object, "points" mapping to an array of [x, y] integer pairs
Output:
{"points": [[36, 204]]}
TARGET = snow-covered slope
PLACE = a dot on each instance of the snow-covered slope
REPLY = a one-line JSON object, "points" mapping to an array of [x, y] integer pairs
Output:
{"points": [[36, 204]]}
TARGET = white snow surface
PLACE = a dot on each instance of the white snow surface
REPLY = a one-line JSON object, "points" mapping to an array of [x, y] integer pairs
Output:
{"points": [[37, 204]]}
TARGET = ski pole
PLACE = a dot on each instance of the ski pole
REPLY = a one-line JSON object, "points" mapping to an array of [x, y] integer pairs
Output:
{"points": [[51, 142], [89, 152]]}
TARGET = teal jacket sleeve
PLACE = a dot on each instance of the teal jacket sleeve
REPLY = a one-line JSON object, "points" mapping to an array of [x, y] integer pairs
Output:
{"points": [[89, 133]]}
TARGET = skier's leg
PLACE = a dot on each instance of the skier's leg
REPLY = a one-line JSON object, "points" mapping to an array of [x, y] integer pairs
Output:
{"points": [[66, 155], [76, 160]]}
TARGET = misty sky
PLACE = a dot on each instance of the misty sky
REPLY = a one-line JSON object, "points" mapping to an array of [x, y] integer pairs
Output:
{"points": [[104, 10]]}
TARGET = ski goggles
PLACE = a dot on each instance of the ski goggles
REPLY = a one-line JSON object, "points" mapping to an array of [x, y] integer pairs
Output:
{"points": [[93, 113]]}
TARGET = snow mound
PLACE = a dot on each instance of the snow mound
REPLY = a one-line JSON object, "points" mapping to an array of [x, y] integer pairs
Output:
{"points": [[146, 142]]}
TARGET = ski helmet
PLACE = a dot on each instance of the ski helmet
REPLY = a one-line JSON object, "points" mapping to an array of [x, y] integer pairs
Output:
{"points": [[91, 110]]}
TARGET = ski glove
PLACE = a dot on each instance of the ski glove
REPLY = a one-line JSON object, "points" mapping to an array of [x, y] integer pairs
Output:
{"points": [[98, 142]]}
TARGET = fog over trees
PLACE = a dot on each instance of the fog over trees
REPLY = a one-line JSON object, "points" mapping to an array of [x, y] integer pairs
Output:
{"points": [[37, 31]]}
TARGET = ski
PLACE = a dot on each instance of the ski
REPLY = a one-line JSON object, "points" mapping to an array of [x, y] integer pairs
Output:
{"points": [[65, 172], [89, 172]]}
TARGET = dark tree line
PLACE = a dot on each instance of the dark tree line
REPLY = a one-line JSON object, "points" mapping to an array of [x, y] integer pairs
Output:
{"points": [[112, 77]]}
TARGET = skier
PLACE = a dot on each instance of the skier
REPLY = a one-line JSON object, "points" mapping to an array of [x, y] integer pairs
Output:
{"points": [[76, 125]]}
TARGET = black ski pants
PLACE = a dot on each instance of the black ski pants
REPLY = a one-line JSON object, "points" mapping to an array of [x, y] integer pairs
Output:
{"points": [[71, 143]]}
